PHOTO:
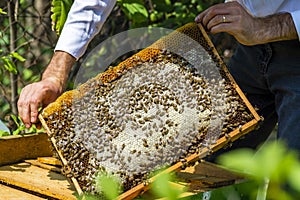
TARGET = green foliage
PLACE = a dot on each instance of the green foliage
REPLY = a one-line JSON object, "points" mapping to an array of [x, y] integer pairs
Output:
{"points": [[163, 188], [4, 133], [163, 13], [9, 64], [274, 168], [108, 185], [60, 9], [135, 11], [2, 12], [158, 13], [21, 128]]}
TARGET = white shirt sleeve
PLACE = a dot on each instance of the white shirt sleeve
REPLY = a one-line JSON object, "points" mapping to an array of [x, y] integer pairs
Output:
{"points": [[296, 19], [84, 21]]}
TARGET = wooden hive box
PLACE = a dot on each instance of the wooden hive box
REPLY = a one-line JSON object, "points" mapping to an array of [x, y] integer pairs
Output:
{"points": [[16, 148], [172, 128]]}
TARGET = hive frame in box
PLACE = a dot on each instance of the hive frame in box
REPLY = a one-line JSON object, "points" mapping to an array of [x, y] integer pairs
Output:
{"points": [[220, 143]]}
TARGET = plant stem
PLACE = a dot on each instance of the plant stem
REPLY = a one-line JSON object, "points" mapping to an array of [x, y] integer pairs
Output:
{"points": [[262, 190], [12, 13]]}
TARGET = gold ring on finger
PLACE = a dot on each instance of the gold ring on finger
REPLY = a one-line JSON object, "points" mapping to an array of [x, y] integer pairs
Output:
{"points": [[224, 19]]}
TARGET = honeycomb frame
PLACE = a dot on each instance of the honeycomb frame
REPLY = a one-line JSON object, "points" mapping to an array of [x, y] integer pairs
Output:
{"points": [[192, 30]]}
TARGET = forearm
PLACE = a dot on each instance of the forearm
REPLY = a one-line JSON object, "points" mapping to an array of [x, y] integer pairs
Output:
{"points": [[275, 27], [59, 68]]}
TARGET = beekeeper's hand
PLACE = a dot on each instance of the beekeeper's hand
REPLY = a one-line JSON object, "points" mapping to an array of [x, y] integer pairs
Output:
{"points": [[233, 18], [42, 93]]}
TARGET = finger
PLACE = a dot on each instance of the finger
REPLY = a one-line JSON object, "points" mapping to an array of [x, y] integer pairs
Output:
{"points": [[219, 9], [24, 113], [199, 17], [34, 106], [24, 109], [217, 20], [229, 26]]}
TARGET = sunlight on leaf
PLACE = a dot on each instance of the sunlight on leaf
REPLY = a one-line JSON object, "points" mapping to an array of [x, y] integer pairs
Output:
{"points": [[9, 65], [4, 133], [294, 175], [18, 56], [163, 188], [60, 10], [108, 185], [273, 162], [239, 160], [2, 12]]}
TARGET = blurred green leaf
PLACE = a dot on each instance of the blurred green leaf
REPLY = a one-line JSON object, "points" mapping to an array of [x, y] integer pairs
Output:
{"points": [[162, 187], [4, 133], [135, 10], [18, 56], [27, 74], [60, 10], [273, 162], [294, 175], [163, 6], [17, 132], [2, 12], [9, 65], [107, 185], [15, 119], [239, 160]]}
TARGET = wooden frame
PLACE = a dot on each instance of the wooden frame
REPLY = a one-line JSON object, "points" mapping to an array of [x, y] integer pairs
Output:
{"points": [[232, 136]]}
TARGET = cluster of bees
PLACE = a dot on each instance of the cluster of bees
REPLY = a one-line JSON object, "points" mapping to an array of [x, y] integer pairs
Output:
{"points": [[152, 116]]}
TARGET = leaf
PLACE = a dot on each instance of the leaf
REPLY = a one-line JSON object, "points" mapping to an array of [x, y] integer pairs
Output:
{"points": [[293, 177], [2, 12], [240, 160], [163, 6], [163, 188], [4, 133], [27, 74], [9, 64], [16, 132], [19, 123], [107, 185], [60, 10], [15, 120], [270, 158], [18, 56], [135, 10]]}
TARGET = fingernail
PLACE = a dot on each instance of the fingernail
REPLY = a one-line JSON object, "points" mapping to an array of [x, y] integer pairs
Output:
{"points": [[27, 125], [32, 120]]}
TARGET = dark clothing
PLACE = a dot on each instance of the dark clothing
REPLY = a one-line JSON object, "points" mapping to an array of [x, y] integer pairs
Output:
{"points": [[269, 75]]}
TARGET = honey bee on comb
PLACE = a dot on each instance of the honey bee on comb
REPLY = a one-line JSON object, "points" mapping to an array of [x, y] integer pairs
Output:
{"points": [[164, 104]]}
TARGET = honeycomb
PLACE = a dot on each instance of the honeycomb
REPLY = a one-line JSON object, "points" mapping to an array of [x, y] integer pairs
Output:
{"points": [[153, 110]]}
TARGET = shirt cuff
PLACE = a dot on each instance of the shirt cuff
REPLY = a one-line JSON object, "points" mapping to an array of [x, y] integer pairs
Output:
{"points": [[296, 19]]}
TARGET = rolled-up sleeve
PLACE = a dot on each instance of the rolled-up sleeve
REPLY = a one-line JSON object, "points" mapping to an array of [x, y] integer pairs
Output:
{"points": [[296, 19], [84, 21]]}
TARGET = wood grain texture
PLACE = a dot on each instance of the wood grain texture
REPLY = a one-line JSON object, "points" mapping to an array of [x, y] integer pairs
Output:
{"points": [[16, 148], [38, 180]]}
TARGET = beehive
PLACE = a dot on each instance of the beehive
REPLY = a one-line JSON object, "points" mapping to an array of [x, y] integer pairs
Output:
{"points": [[169, 104]]}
